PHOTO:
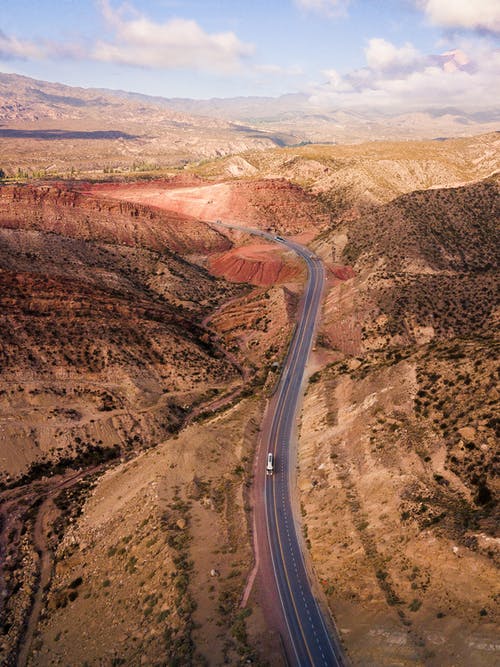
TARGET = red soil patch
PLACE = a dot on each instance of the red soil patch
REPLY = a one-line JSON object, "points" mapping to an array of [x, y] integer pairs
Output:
{"points": [[256, 264], [343, 272], [267, 203], [90, 215]]}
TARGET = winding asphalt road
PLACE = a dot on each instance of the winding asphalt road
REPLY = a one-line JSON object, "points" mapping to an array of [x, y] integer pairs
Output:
{"points": [[311, 642]]}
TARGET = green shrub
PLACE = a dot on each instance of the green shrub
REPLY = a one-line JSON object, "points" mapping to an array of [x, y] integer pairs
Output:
{"points": [[415, 605]]}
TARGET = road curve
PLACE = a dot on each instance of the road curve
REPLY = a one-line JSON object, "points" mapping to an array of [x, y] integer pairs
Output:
{"points": [[310, 641]]}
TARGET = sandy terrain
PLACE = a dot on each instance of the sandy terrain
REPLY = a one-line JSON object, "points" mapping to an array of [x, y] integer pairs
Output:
{"points": [[208, 202], [182, 502]]}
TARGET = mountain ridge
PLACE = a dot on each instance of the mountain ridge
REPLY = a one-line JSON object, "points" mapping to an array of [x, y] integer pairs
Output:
{"points": [[23, 99]]}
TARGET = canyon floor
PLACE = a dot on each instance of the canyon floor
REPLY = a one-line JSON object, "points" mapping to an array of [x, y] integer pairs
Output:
{"points": [[139, 345]]}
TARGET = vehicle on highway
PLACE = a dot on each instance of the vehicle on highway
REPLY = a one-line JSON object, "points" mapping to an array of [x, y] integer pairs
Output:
{"points": [[309, 641]]}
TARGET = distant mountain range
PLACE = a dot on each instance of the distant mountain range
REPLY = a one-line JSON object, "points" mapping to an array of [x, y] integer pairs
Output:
{"points": [[126, 127], [295, 116]]}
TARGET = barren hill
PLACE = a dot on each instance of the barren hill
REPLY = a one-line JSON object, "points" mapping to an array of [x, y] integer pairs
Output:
{"points": [[295, 116], [349, 178], [96, 307], [263, 203], [133, 382], [113, 337], [405, 428], [51, 128]]}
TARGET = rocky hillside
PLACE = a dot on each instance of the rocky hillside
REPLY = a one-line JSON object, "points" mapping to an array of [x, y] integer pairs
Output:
{"points": [[432, 259], [257, 265], [350, 179], [402, 468], [102, 343], [116, 347], [68, 212], [265, 203]]}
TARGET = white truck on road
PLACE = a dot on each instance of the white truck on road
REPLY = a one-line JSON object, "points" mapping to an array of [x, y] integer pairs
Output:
{"points": [[270, 464]]}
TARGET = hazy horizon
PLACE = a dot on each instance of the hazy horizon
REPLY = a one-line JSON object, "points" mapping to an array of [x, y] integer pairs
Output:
{"points": [[399, 56]]}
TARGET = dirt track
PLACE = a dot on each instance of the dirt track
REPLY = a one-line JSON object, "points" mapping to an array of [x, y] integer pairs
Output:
{"points": [[39, 498]]}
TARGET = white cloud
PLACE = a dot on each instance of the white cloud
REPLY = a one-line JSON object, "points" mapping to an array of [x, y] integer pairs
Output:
{"points": [[336, 82], [329, 8], [467, 14], [177, 43], [279, 70], [139, 41], [399, 79], [11, 47], [383, 55]]}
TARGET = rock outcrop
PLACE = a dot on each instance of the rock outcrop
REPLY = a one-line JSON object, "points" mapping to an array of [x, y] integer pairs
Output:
{"points": [[57, 210], [258, 265]]}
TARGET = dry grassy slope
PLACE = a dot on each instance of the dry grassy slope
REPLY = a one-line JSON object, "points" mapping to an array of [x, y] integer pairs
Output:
{"points": [[399, 437], [426, 270], [430, 260], [402, 548], [132, 582], [101, 339], [364, 175], [453, 229]]}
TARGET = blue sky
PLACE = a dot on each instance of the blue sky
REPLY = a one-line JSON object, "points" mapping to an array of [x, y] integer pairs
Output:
{"points": [[330, 49]]}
